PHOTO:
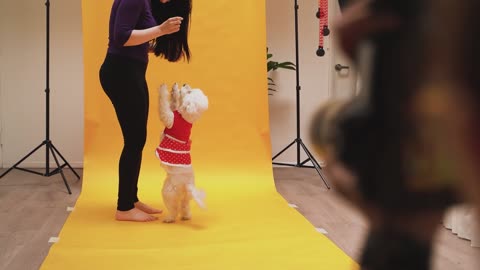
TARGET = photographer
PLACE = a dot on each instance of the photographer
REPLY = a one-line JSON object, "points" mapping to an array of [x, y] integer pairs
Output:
{"points": [[388, 150]]}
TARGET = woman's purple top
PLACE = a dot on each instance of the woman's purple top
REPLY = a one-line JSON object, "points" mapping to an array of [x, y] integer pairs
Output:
{"points": [[126, 16]]}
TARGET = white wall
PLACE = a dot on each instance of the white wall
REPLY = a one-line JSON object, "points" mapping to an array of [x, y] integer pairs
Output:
{"points": [[22, 80], [1, 91], [22, 77], [315, 72]]}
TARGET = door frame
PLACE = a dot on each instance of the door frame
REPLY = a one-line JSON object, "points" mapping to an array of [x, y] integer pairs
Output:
{"points": [[338, 57]]}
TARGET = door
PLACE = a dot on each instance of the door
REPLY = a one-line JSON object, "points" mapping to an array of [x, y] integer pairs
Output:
{"points": [[344, 83]]}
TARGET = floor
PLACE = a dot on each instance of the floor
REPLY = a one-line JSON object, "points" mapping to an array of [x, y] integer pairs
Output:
{"points": [[347, 228], [34, 208]]}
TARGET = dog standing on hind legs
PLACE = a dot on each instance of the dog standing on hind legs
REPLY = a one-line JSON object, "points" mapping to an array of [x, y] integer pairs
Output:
{"points": [[178, 111]]}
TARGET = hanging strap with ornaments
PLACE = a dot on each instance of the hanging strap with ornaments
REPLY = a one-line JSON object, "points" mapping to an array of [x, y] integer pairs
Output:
{"points": [[322, 14]]}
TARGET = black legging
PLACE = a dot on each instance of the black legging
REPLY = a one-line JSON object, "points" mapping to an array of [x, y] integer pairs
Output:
{"points": [[123, 80]]}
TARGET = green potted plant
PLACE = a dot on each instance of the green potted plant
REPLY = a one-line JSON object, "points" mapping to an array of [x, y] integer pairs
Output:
{"points": [[274, 65]]}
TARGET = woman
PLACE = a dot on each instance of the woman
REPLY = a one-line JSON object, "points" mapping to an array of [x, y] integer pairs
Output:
{"points": [[122, 75]]}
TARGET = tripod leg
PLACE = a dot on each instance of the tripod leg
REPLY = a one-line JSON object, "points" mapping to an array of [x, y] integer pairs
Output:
{"points": [[305, 162], [284, 149], [61, 170], [315, 164], [19, 162], [64, 160]]}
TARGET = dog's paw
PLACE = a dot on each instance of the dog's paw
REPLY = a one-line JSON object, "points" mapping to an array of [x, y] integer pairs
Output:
{"points": [[175, 92], [187, 217], [175, 97], [169, 220], [163, 90]]}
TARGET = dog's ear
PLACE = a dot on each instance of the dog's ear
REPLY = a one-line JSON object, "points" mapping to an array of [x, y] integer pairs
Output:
{"points": [[190, 107]]}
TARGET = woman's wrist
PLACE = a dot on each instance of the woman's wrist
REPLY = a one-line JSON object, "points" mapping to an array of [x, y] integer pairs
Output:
{"points": [[158, 31]]}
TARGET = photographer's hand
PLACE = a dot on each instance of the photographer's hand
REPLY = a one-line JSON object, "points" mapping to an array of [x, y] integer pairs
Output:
{"points": [[358, 22]]}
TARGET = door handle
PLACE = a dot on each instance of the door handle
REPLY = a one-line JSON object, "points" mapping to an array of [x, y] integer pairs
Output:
{"points": [[339, 67]]}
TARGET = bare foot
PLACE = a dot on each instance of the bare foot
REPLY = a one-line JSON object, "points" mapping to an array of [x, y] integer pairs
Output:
{"points": [[134, 215], [147, 209]]}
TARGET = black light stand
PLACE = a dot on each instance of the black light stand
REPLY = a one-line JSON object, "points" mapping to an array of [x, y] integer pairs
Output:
{"points": [[50, 148], [298, 141]]}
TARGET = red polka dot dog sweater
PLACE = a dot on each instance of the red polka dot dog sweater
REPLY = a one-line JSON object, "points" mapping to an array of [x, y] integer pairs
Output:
{"points": [[174, 149]]}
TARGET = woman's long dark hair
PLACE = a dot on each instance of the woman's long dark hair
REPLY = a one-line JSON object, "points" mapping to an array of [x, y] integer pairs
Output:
{"points": [[173, 47]]}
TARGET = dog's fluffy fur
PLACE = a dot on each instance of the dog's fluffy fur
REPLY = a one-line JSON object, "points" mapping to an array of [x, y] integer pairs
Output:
{"points": [[179, 186]]}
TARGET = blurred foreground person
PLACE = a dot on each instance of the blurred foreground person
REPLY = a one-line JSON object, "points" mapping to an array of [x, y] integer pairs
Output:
{"points": [[404, 150]]}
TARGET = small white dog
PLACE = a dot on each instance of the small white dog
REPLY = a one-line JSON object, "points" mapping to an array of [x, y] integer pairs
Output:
{"points": [[178, 115]]}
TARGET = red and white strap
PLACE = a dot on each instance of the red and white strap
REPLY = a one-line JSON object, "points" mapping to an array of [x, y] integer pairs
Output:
{"points": [[324, 31]]}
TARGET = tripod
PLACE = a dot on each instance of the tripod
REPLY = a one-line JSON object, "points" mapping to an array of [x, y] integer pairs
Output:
{"points": [[50, 148], [298, 140]]}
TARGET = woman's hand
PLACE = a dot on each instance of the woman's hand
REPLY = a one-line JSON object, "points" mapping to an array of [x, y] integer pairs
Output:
{"points": [[138, 37], [170, 26]]}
